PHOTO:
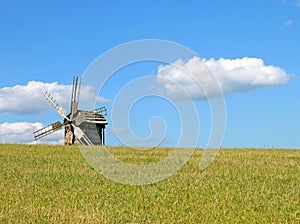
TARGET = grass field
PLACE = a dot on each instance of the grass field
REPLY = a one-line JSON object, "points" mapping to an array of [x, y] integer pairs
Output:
{"points": [[54, 184]]}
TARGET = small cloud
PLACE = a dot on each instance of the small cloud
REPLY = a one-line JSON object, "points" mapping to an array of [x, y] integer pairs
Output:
{"points": [[288, 23], [297, 3], [22, 132]]}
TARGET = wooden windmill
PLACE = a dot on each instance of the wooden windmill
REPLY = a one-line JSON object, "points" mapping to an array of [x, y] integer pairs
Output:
{"points": [[81, 126]]}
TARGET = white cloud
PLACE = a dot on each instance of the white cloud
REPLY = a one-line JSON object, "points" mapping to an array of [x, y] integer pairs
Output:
{"points": [[288, 23], [232, 75], [28, 99], [22, 132], [297, 3]]}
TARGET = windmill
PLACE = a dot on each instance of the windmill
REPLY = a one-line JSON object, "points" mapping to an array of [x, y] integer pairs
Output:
{"points": [[81, 126]]}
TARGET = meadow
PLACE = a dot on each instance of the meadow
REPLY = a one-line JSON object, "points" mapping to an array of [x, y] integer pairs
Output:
{"points": [[54, 184]]}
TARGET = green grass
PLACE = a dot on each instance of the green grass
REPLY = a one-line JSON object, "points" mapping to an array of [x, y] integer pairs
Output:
{"points": [[54, 184]]}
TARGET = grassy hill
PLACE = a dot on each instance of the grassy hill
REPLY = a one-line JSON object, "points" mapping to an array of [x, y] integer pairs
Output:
{"points": [[54, 184]]}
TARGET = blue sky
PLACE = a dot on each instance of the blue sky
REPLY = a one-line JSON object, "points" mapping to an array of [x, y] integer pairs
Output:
{"points": [[46, 42]]}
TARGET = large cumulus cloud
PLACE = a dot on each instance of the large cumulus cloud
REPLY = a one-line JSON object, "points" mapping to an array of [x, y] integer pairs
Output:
{"points": [[201, 78], [28, 99]]}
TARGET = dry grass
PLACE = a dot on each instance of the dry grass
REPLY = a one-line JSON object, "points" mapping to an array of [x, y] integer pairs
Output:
{"points": [[54, 184]]}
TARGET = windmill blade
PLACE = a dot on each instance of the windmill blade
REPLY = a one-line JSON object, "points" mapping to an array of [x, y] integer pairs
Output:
{"points": [[54, 103], [75, 94], [47, 130], [81, 137], [102, 111]]}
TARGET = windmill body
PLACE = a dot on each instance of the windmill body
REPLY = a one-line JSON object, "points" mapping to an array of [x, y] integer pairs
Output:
{"points": [[81, 126]]}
